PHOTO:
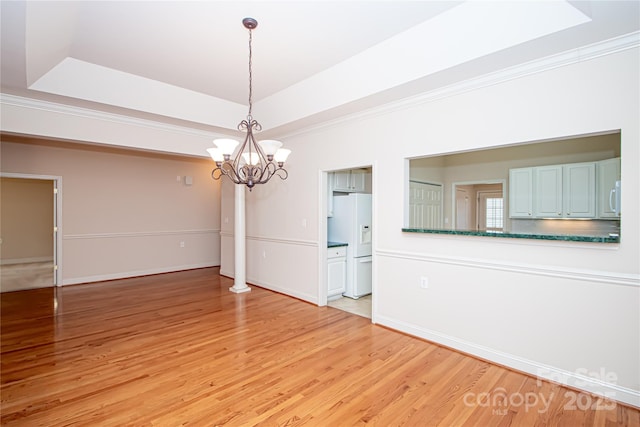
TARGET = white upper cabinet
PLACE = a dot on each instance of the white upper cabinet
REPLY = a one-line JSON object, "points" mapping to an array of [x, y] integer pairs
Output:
{"points": [[548, 191], [556, 191], [608, 172], [521, 193], [579, 192], [351, 181]]}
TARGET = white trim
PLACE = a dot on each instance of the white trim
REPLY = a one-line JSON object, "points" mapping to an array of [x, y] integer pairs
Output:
{"points": [[57, 184], [139, 234], [286, 291], [86, 113], [571, 379], [574, 56], [585, 53], [270, 286], [25, 260], [134, 273], [280, 240], [608, 278]]}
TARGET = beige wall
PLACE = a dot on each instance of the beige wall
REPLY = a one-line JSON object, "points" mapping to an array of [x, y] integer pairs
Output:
{"points": [[26, 220], [125, 213]]}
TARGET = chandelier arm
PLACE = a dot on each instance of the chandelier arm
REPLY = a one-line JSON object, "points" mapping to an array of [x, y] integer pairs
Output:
{"points": [[282, 177], [266, 169], [231, 173]]}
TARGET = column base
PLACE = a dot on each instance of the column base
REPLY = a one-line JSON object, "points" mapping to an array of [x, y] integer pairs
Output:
{"points": [[240, 290]]}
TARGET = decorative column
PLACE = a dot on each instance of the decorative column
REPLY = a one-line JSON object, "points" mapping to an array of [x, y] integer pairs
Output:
{"points": [[240, 284]]}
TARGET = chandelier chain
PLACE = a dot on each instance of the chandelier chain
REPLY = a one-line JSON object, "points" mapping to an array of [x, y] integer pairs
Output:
{"points": [[250, 74]]}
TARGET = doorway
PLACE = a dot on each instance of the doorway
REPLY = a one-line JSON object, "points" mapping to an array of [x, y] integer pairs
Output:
{"points": [[30, 231], [479, 206], [347, 229]]}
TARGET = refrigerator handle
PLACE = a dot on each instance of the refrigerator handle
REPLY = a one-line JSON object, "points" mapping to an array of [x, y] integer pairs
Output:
{"points": [[611, 194], [364, 261]]}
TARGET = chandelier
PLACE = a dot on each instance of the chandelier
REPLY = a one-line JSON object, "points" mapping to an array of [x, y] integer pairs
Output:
{"points": [[253, 162]]}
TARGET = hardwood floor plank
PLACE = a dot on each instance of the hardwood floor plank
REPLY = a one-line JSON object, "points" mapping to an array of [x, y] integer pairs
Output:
{"points": [[179, 348]]}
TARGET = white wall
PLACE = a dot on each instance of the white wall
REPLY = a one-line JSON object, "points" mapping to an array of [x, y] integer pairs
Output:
{"points": [[557, 309]]}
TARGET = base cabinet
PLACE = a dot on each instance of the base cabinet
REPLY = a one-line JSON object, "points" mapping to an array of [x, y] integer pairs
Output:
{"points": [[336, 271]]}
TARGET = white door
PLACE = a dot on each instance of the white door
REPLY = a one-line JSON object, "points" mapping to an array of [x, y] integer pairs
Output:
{"points": [[462, 209], [425, 205]]}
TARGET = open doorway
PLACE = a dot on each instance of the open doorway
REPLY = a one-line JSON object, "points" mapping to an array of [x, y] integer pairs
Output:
{"points": [[479, 206], [348, 229], [30, 234]]}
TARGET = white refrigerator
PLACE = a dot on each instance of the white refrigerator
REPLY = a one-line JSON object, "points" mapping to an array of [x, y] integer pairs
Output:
{"points": [[351, 224]]}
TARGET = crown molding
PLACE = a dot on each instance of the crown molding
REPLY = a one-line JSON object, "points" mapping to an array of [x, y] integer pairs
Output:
{"points": [[573, 56], [585, 53], [86, 113]]}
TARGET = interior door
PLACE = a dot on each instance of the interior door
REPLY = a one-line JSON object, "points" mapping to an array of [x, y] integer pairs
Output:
{"points": [[462, 209], [425, 205]]}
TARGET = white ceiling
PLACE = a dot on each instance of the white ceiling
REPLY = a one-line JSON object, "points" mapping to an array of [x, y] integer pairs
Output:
{"points": [[185, 62]]}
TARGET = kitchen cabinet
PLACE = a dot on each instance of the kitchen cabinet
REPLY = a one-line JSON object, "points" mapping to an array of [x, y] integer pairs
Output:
{"points": [[579, 190], [548, 191], [350, 181], [521, 193], [555, 191], [608, 172], [336, 271]]}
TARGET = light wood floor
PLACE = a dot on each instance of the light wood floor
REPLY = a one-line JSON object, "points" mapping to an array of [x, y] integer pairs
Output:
{"points": [[179, 348]]}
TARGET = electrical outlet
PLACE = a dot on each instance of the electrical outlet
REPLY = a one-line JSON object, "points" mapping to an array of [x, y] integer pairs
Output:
{"points": [[182, 244], [424, 282]]}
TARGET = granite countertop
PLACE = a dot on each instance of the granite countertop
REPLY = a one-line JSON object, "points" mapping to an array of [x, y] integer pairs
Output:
{"points": [[562, 237], [336, 244]]}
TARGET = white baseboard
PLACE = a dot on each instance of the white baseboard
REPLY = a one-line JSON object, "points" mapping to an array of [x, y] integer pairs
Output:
{"points": [[313, 299], [128, 274], [575, 380], [302, 296]]}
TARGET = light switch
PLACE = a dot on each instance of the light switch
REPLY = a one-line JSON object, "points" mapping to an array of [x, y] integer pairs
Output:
{"points": [[188, 180]]}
